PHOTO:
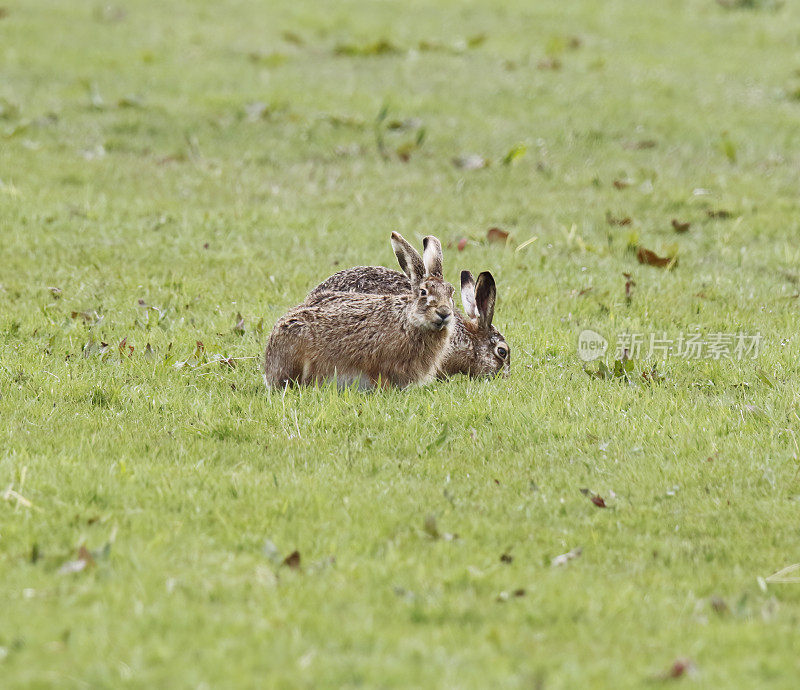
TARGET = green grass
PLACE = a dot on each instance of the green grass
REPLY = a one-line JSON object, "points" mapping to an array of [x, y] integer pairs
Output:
{"points": [[134, 166]]}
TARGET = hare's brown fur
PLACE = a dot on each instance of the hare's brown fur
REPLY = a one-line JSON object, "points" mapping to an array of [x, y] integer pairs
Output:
{"points": [[472, 350], [396, 339]]}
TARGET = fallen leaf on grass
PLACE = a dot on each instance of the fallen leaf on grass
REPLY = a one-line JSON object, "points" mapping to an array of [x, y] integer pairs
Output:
{"points": [[718, 214], [506, 558], [594, 498], [89, 317], [678, 226], [680, 667], [124, 348], [514, 153], [653, 376], [622, 184], [84, 560], [497, 235], [597, 499], [470, 161], [292, 560], [612, 220], [650, 258], [462, 243], [630, 283], [565, 558], [505, 596], [788, 575]]}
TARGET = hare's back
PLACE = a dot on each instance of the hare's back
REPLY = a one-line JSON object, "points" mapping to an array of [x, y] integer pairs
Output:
{"points": [[365, 279], [338, 311]]}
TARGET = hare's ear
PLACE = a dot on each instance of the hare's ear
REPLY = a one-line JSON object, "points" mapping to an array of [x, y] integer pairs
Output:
{"points": [[408, 258], [468, 295], [432, 257], [485, 295]]}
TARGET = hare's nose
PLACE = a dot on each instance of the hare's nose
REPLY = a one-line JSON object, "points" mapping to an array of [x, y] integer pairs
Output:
{"points": [[443, 313]]}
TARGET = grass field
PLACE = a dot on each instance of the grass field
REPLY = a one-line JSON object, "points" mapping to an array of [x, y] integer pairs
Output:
{"points": [[182, 173]]}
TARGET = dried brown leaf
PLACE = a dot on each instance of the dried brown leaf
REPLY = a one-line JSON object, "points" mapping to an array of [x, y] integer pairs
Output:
{"points": [[597, 499], [680, 667], [622, 184], [462, 243], [612, 220], [293, 560], [497, 235], [630, 283], [679, 226], [84, 560], [649, 258]]}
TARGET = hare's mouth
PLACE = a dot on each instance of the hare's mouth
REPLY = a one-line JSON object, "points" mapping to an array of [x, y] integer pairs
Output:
{"points": [[441, 322]]}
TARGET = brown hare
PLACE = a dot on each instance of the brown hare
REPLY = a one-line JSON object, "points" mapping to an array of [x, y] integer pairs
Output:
{"points": [[368, 339], [476, 348]]}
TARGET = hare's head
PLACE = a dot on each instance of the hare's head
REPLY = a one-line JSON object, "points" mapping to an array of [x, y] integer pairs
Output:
{"points": [[432, 303], [492, 353]]}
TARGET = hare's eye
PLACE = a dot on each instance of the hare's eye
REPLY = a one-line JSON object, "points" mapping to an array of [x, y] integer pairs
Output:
{"points": [[502, 353], [423, 292]]}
